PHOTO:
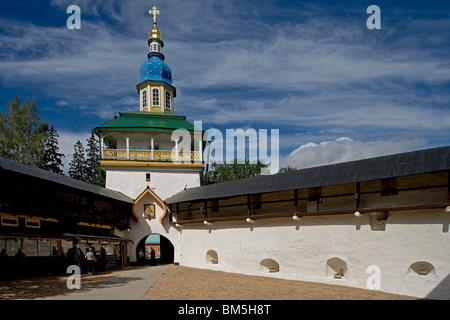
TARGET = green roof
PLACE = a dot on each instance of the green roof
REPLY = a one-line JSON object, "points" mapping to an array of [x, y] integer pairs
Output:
{"points": [[147, 121]]}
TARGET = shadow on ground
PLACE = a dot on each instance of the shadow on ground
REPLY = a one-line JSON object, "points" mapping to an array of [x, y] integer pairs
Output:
{"points": [[42, 288]]}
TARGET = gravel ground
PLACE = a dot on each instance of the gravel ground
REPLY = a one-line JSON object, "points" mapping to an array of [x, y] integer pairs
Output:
{"points": [[183, 283]]}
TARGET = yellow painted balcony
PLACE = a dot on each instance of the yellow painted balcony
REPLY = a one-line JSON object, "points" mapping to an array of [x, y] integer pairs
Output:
{"points": [[148, 155]]}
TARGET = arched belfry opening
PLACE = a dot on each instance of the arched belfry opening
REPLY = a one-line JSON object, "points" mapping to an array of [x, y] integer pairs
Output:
{"points": [[164, 249]]}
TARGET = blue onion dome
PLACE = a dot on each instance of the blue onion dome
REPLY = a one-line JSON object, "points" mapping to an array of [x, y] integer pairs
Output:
{"points": [[156, 69]]}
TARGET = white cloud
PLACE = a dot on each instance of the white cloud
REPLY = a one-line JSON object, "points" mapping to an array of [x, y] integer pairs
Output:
{"points": [[61, 103], [236, 68], [345, 149]]}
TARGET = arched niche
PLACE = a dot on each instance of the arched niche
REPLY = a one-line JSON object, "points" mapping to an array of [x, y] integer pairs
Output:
{"points": [[422, 268], [212, 257], [336, 268], [269, 265]]}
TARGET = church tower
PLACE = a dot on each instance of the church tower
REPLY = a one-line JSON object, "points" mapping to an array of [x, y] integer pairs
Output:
{"points": [[138, 149], [156, 91]]}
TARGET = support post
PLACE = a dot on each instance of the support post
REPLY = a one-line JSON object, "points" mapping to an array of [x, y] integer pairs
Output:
{"points": [[358, 195], [205, 208], [296, 200], [448, 187], [127, 141], [152, 147]]}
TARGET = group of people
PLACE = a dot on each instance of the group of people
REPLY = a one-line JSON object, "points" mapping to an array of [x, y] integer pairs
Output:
{"points": [[19, 263], [89, 262], [141, 257]]}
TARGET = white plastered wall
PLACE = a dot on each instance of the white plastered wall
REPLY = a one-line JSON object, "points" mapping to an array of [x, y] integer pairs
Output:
{"points": [[131, 181], [302, 249], [144, 227]]}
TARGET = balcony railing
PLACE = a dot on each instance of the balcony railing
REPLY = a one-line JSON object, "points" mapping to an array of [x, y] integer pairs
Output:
{"points": [[123, 154]]}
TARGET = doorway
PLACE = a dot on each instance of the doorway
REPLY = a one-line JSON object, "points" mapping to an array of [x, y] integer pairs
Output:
{"points": [[164, 249]]}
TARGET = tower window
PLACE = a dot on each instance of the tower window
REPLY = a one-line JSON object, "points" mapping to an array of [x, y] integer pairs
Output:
{"points": [[155, 97], [144, 99], [168, 100], [155, 47]]}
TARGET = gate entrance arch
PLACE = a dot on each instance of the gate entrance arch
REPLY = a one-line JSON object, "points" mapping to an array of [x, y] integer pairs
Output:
{"points": [[164, 249], [151, 216]]}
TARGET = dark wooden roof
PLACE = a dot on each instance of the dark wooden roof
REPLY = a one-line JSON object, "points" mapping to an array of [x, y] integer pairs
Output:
{"points": [[20, 168], [397, 165]]}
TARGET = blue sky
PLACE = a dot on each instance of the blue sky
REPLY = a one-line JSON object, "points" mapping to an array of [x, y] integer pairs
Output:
{"points": [[336, 90]]}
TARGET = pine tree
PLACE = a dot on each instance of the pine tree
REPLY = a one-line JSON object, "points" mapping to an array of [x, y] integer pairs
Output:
{"points": [[78, 163], [100, 178], [23, 134], [92, 159], [52, 158], [95, 174]]}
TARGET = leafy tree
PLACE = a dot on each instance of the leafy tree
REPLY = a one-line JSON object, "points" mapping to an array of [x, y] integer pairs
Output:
{"points": [[23, 134], [52, 158], [235, 171], [78, 163], [287, 169]]}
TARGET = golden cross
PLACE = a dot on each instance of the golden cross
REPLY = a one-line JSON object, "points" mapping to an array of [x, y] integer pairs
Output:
{"points": [[154, 12]]}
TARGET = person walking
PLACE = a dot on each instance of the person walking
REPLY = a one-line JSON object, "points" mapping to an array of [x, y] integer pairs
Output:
{"points": [[90, 259], [20, 263], [152, 257], [141, 257], [77, 256]]}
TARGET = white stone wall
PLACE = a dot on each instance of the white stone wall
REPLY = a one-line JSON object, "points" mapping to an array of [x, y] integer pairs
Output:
{"points": [[144, 227], [314, 248], [166, 182], [302, 249]]}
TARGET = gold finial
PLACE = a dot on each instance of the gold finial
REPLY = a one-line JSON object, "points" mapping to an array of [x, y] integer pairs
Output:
{"points": [[154, 12]]}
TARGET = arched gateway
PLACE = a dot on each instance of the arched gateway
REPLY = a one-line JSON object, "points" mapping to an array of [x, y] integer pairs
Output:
{"points": [[163, 248], [151, 217]]}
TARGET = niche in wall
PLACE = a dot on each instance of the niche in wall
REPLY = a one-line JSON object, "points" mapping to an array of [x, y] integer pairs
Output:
{"points": [[422, 268], [336, 268], [212, 257], [269, 265]]}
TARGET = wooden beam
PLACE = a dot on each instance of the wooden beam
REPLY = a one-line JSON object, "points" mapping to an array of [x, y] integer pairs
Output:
{"points": [[325, 213]]}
